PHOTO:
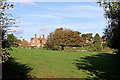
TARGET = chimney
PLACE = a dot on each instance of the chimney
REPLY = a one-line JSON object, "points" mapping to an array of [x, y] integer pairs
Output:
{"points": [[35, 36], [43, 36], [40, 37], [23, 40]]}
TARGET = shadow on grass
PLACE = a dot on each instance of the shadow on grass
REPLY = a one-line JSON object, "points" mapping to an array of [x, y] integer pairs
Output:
{"points": [[103, 66], [12, 70]]}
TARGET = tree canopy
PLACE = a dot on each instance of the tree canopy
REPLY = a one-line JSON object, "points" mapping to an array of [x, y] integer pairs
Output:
{"points": [[6, 21], [65, 37], [112, 15], [12, 40]]}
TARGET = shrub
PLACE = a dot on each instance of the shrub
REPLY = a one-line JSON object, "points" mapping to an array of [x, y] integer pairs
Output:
{"points": [[32, 47], [93, 49], [88, 50], [108, 50], [104, 45], [74, 47], [98, 47], [55, 48], [44, 45], [49, 45], [77, 47]]}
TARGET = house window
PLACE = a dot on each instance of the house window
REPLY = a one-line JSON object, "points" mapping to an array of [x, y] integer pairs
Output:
{"points": [[40, 41], [37, 41], [43, 41], [33, 41]]}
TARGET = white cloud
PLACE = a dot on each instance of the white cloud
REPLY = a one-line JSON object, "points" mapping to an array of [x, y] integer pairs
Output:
{"points": [[28, 3], [82, 8], [73, 11], [43, 30], [26, 23], [78, 11], [16, 30], [23, 4], [85, 14], [49, 16]]}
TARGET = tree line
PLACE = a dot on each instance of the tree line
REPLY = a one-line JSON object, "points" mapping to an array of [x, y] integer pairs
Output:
{"points": [[64, 37]]}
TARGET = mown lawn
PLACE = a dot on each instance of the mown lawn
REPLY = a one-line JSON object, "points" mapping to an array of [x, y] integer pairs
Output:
{"points": [[61, 64]]}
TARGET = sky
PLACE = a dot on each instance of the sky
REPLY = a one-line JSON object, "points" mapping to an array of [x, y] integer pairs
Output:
{"points": [[44, 17]]}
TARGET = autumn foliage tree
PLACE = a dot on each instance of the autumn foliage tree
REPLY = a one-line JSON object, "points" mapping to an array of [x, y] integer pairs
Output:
{"points": [[88, 37], [49, 44], [65, 37]]}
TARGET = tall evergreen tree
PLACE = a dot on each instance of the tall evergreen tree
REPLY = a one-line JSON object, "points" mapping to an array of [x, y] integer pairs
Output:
{"points": [[97, 42]]}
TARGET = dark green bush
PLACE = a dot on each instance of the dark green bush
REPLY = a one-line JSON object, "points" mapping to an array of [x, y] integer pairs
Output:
{"points": [[104, 45]]}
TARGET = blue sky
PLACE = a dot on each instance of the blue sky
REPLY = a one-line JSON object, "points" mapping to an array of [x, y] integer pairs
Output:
{"points": [[44, 17]]}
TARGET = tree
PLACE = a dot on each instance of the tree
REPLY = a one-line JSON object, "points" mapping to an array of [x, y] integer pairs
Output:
{"points": [[50, 43], [112, 14], [77, 32], [25, 43], [6, 21], [65, 37], [12, 41], [87, 37], [97, 42], [50, 38]]}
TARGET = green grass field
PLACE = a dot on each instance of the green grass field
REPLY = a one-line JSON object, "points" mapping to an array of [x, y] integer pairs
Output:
{"points": [[61, 64]]}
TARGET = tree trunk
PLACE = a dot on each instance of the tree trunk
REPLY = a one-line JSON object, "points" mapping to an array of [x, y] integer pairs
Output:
{"points": [[62, 48], [118, 52]]}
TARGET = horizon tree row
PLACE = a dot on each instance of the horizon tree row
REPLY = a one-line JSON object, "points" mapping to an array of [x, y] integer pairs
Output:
{"points": [[69, 38]]}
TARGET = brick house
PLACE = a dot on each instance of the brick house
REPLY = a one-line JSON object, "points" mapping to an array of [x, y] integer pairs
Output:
{"points": [[20, 43], [24, 43], [36, 42]]}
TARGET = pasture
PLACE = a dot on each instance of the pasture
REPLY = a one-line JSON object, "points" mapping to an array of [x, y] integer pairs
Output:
{"points": [[63, 64]]}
